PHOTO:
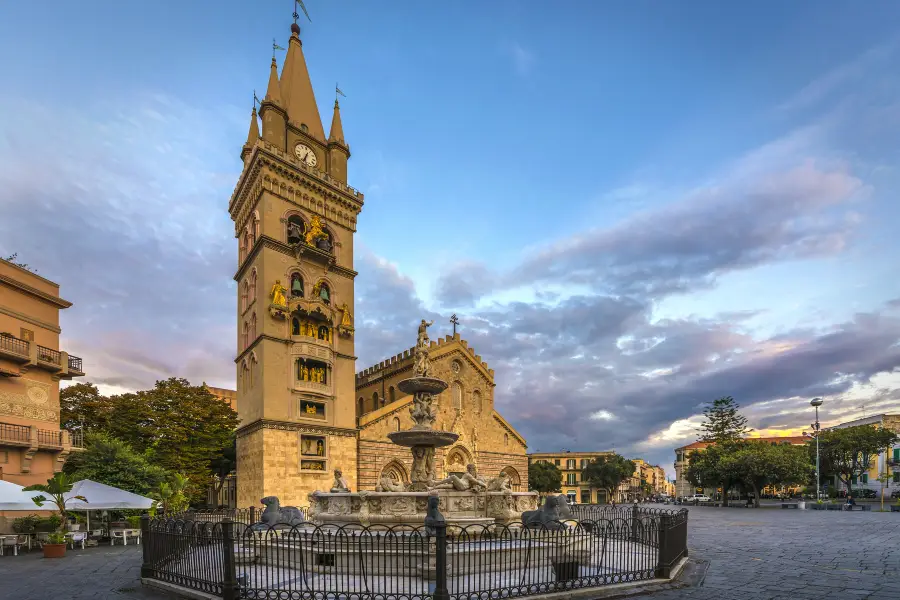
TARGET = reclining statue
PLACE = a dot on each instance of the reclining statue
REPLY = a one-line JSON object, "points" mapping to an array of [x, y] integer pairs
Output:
{"points": [[501, 483], [550, 515], [275, 514], [469, 481], [386, 484]]}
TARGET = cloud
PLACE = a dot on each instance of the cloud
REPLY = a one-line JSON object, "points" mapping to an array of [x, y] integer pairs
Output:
{"points": [[522, 58], [119, 204]]}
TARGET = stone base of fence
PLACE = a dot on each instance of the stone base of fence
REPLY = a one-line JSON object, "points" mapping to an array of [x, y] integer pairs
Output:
{"points": [[177, 590]]}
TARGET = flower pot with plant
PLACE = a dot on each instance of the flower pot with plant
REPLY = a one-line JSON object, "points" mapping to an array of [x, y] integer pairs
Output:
{"points": [[56, 488]]}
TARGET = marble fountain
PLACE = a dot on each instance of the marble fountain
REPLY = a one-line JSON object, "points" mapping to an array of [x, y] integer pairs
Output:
{"points": [[463, 500]]}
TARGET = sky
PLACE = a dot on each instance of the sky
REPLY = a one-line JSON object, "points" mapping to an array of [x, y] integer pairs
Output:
{"points": [[633, 207]]}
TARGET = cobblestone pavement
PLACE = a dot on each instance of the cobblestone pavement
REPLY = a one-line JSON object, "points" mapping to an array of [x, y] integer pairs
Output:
{"points": [[753, 554], [775, 554]]}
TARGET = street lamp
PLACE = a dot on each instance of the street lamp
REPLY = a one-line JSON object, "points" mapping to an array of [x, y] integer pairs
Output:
{"points": [[816, 402]]}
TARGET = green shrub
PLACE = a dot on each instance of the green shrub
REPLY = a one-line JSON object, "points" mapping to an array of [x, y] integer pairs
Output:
{"points": [[26, 524], [133, 522], [51, 523]]}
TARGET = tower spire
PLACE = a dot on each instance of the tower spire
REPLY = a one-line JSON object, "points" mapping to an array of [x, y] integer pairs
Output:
{"points": [[336, 133], [297, 91], [273, 91], [253, 133]]}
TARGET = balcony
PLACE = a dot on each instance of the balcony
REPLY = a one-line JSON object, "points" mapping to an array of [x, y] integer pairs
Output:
{"points": [[75, 364], [313, 386], [49, 356], [20, 435], [14, 349]]}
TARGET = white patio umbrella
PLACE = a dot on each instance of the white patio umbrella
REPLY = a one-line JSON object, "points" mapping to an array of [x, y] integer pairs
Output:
{"points": [[13, 498], [103, 497]]}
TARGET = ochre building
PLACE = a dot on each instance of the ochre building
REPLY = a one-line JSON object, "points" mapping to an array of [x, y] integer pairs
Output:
{"points": [[297, 397], [32, 445], [571, 464]]}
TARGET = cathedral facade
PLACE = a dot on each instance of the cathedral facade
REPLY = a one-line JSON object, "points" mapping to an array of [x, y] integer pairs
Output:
{"points": [[301, 404]]}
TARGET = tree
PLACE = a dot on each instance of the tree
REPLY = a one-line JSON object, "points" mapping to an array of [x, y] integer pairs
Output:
{"points": [[113, 462], [170, 495], [849, 452], [544, 477], [708, 467], [13, 258], [723, 422], [758, 464], [177, 426], [608, 472], [224, 464], [56, 487]]}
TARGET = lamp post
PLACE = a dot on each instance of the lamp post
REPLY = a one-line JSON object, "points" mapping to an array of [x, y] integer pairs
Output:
{"points": [[817, 402]]}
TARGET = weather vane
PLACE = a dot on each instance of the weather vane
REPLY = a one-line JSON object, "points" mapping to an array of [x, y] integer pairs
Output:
{"points": [[337, 91], [303, 8], [275, 47], [454, 320], [255, 100]]}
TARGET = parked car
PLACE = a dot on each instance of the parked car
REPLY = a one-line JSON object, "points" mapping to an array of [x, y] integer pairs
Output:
{"points": [[895, 494], [699, 498]]}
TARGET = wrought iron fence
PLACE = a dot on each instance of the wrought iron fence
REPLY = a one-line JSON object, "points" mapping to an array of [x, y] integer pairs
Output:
{"points": [[321, 562]]}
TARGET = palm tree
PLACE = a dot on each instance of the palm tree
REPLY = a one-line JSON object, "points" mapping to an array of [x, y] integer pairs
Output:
{"points": [[56, 487], [170, 495]]}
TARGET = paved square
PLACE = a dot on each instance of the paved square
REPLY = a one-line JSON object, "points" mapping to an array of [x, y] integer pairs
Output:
{"points": [[754, 554]]}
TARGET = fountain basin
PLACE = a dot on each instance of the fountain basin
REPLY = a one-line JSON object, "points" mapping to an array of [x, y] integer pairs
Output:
{"points": [[423, 437], [429, 385]]}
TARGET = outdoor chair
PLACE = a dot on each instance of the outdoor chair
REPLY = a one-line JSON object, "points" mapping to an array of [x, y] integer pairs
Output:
{"points": [[11, 541], [124, 534], [77, 537]]}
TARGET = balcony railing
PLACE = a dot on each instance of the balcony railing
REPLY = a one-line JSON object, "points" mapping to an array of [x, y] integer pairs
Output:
{"points": [[75, 364], [77, 439], [11, 344], [15, 433], [49, 355], [49, 438]]}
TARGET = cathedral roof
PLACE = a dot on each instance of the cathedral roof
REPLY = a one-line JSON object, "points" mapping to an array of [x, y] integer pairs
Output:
{"points": [[440, 344], [297, 91]]}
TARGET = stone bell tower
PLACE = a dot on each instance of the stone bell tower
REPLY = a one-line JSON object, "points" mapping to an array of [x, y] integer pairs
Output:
{"points": [[294, 217]]}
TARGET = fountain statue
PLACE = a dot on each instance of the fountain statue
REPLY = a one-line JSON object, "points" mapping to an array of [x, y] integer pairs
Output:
{"points": [[463, 499]]}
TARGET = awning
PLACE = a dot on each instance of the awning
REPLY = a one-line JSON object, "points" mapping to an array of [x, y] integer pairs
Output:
{"points": [[13, 498], [104, 497]]}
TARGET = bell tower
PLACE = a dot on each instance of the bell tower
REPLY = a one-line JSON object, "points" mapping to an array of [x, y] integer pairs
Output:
{"points": [[294, 217]]}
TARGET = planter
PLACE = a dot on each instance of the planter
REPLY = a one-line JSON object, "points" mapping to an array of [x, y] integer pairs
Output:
{"points": [[54, 550], [895, 508], [566, 570]]}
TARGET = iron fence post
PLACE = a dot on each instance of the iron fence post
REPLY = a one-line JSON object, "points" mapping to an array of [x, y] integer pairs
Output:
{"points": [[663, 568], [252, 515], [229, 580], [146, 567], [440, 562], [635, 523]]}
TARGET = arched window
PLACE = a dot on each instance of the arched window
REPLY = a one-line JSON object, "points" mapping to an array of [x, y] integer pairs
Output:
{"points": [[457, 395], [381, 403], [296, 285], [396, 424], [246, 336], [245, 295], [295, 326], [506, 439], [251, 233], [253, 284], [242, 250], [295, 229], [391, 395], [360, 406], [253, 326], [375, 401], [255, 225], [324, 334], [247, 245], [322, 292], [476, 401]]}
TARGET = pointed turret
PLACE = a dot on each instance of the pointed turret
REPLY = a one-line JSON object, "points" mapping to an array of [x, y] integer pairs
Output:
{"points": [[271, 110], [252, 135], [336, 134], [338, 150], [297, 91]]}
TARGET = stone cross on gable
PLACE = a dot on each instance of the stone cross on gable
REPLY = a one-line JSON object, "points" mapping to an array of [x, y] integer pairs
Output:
{"points": [[454, 320]]}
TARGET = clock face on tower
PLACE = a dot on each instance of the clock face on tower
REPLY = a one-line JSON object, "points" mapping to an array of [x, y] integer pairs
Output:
{"points": [[305, 154]]}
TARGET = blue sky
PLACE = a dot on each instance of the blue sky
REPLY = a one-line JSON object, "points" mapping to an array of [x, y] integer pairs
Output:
{"points": [[634, 207]]}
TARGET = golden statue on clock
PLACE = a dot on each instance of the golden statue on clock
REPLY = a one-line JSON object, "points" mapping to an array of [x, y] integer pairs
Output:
{"points": [[306, 155]]}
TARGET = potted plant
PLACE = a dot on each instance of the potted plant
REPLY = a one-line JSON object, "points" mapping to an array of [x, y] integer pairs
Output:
{"points": [[56, 487]]}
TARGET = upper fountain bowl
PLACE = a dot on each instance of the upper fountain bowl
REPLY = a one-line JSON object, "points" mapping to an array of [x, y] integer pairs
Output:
{"points": [[430, 385], [423, 437]]}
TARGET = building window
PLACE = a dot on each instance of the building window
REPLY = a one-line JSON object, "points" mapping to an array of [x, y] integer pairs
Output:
{"points": [[584, 463], [476, 401], [324, 333], [360, 407], [396, 424], [457, 395], [896, 450], [570, 464], [245, 295], [322, 292], [865, 478], [571, 496], [375, 401], [312, 410], [295, 326], [246, 336], [506, 439], [570, 479], [253, 326], [556, 462], [853, 480], [896, 476], [313, 371], [391, 395], [295, 229], [313, 453], [296, 285]]}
